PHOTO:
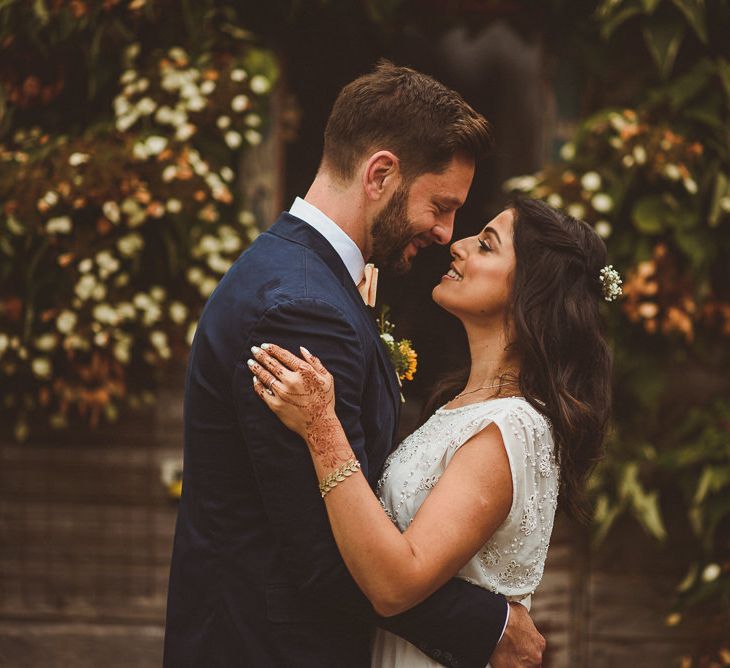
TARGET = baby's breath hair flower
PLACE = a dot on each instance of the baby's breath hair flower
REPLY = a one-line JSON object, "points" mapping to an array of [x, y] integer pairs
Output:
{"points": [[610, 283]]}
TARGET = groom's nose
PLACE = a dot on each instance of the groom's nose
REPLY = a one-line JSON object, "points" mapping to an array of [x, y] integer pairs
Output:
{"points": [[443, 231]]}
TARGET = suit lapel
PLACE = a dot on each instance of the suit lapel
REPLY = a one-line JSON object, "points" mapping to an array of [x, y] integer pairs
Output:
{"points": [[296, 230]]}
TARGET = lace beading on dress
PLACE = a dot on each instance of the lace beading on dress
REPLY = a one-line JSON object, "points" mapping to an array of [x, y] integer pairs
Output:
{"points": [[513, 560]]}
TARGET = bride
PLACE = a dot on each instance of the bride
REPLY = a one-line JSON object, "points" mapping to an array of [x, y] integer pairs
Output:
{"points": [[473, 491]]}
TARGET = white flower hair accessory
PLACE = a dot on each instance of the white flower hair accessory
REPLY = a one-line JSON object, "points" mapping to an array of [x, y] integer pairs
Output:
{"points": [[610, 283]]}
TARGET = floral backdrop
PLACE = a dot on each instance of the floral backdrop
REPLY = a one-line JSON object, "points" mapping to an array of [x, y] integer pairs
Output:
{"points": [[118, 162]]}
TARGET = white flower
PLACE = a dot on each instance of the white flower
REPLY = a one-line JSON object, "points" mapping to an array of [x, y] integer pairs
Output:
{"points": [[131, 52], [158, 338], [223, 122], [142, 85], [42, 367], [227, 174], [123, 123], [602, 202], [155, 144], [196, 103], [387, 338], [246, 218], [207, 286], [628, 161], [639, 154], [690, 185], [189, 90], [253, 137], [121, 352], [50, 198], [233, 139], [567, 151], [238, 75], [591, 181], [152, 314], [178, 312], [207, 87], [603, 229], [576, 211], [4, 341], [107, 261], [158, 293], [128, 76], [125, 311], [177, 53], [106, 314], [165, 115], [218, 264], [66, 321], [239, 103], [76, 159], [711, 572], [111, 211], [194, 275], [142, 301], [230, 242], [725, 204], [672, 172], [201, 168], [129, 245], [59, 225], [260, 84], [555, 200], [99, 292], [46, 342], [185, 131], [253, 120], [172, 80], [209, 244], [523, 183], [139, 151], [169, 173], [146, 106], [174, 205]]}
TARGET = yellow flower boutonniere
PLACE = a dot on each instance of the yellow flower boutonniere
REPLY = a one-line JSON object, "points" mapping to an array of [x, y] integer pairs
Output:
{"points": [[402, 354]]}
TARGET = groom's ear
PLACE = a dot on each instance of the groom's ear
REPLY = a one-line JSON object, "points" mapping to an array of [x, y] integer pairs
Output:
{"points": [[381, 175]]}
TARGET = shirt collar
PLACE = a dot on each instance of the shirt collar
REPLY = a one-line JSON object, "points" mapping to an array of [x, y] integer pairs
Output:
{"points": [[345, 247]]}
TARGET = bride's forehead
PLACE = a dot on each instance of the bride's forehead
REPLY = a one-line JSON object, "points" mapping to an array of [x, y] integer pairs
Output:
{"points": [[502, 222]]}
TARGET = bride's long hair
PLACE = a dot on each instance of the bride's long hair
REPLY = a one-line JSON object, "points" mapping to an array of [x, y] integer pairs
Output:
{"points": [[557, 333]]}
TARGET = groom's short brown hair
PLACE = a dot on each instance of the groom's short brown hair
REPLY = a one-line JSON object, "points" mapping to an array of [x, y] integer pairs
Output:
{"points": [[404, 111]]}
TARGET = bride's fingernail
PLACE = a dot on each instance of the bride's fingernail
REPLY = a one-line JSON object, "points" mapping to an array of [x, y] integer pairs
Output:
{"points": [[255, 380], [265, 346], [255, 350], [305, 351], [250, 363]]}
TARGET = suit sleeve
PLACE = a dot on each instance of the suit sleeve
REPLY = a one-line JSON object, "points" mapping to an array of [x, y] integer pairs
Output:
{"points": [[460, 624]]}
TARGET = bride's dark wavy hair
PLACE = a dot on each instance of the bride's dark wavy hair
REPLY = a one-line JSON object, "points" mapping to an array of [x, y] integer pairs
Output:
{"points": [[557, 332]]}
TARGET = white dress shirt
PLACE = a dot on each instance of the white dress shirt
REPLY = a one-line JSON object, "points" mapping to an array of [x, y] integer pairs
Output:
{"points": [[345, 247]]}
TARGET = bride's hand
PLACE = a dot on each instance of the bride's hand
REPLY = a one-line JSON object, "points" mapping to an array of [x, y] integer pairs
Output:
{"points": [[300, 391]]}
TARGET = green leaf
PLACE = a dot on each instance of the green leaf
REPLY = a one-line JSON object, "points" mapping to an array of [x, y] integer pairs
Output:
{"points": [[650, 5], [663, 39], [648, 215], [41, 12], [610, 26], [720, 191], [694, 12]]}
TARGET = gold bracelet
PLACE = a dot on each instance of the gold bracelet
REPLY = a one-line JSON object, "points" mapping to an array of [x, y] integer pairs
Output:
{"points": [[331, 480]]}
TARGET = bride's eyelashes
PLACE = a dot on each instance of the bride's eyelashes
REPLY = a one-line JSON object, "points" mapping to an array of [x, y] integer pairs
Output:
{"points": [[484, 246]]}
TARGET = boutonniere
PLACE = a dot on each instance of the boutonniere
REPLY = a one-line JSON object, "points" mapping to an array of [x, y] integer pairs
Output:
{"points": [[402, 354]]}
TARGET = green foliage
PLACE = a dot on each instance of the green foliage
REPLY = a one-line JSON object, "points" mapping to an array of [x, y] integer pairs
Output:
{"points": [[652, 178]]}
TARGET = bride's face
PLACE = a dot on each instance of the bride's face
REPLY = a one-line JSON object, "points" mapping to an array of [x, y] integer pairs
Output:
{"points": [[477, 285]]}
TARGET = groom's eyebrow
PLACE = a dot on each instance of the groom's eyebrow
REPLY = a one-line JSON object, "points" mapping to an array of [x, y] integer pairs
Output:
{"points": [[447, 201]]}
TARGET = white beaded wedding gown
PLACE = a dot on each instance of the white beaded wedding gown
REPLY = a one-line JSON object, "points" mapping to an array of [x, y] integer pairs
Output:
{"points": [[512, 561]]}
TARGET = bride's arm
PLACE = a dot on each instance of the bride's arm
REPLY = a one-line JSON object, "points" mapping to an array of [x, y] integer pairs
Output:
{"points": [[395, 571]]}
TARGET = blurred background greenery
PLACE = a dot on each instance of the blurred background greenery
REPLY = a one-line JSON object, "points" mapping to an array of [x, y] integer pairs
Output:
{"points": [[122, 129]]}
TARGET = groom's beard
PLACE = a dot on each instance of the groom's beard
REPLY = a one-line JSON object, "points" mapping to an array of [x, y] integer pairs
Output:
{"points": [[392, 232]]}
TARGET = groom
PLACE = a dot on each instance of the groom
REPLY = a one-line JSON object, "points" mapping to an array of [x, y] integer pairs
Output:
{"points": [[256, 577]]}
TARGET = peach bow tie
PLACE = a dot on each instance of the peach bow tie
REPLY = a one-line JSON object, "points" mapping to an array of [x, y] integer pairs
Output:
{"points": [[368, 286]]}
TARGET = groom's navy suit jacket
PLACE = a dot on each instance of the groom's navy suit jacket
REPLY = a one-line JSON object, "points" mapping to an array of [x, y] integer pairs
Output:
{"points": [[256, 578]]}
